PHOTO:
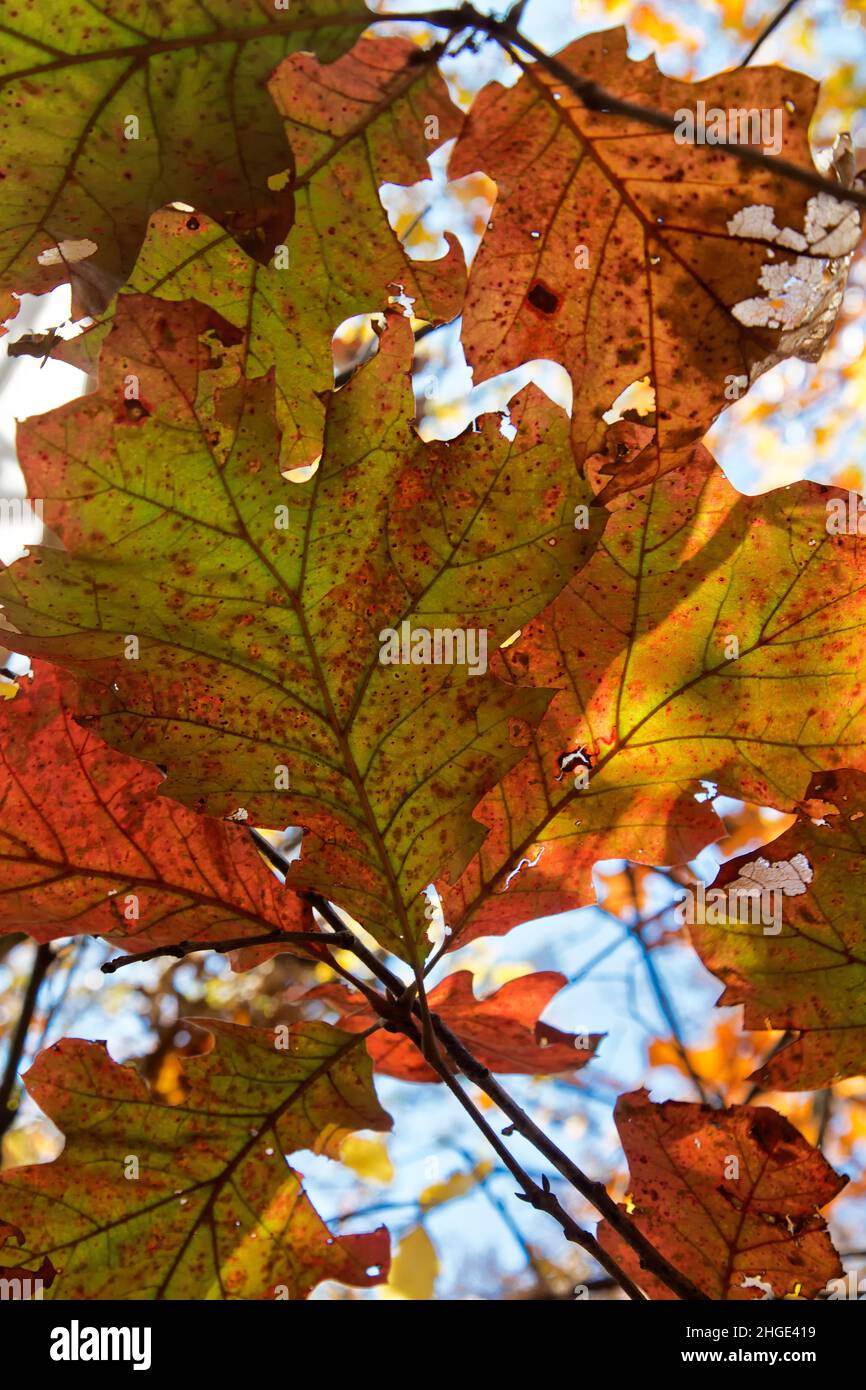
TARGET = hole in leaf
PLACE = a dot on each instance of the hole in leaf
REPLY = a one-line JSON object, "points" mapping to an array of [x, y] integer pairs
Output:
{"points": [[543, 299], [639, 399]]}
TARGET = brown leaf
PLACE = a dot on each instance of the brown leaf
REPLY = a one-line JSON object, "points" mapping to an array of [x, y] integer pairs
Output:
{"points": [[624, 254], [729, 1197]]}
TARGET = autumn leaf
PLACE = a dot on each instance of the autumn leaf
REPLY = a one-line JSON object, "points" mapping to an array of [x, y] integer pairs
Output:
{"points": [[259, 608], [460, 1184], [45, 1274], [447, 682], [730, 1197], [290, 308], [808, 976], [150, 1201], [624, 254], [711, 638], [87, 844], [414, 1269], [109, 115], [504, 1031], [366, 120]]}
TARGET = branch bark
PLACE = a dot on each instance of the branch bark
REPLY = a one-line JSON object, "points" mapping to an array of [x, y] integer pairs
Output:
{"points": [[41, 965], [595, 1192], [597, 98], [539, 1196], [232, 943]]}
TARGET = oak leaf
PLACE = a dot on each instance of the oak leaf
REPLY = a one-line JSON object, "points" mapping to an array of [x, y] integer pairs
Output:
{"points": [[368, 119], [712, 638], [261, 607], [109, 115], [196, 1201], [625, 254], [729, 1197], [289, 309], [809, 977]]}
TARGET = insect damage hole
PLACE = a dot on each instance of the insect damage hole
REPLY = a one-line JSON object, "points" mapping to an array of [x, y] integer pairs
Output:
{"points": [[543, 299]]}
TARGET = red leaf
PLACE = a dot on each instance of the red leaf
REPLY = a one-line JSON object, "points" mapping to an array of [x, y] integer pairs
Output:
{"points": [[503, 1031], [84, 859]]}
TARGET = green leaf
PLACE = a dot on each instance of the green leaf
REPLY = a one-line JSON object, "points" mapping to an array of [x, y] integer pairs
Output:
{"points": [[808, 976], [352, 126], [195, 1201], [641, 646], [371, 118], [260, 606], [76, 167]]}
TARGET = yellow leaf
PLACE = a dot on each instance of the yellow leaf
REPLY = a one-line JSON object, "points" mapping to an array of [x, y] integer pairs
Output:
{"points": [[413, 1269], [455, 1186], [369, 1158]]}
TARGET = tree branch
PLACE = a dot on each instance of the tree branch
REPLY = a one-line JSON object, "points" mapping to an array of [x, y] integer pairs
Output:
{"points": [[539, 1196], [41, 965], [232, 943], [597, 98], [595, 1192]]}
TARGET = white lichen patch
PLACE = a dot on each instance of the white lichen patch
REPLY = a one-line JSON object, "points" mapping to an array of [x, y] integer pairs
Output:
{"points": [[832, 228], [791, 877], [801, 297], [67, 252], [757, 221]]}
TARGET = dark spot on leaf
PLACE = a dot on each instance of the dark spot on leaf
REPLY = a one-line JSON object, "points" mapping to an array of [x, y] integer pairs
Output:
{"points": [[540, 297]]}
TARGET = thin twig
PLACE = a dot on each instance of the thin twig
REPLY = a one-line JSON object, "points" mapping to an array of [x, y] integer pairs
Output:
{"points": [[540, 1196], [232, 943], [41, 965], [595, 1192], [597, 98], [768, 30]]}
